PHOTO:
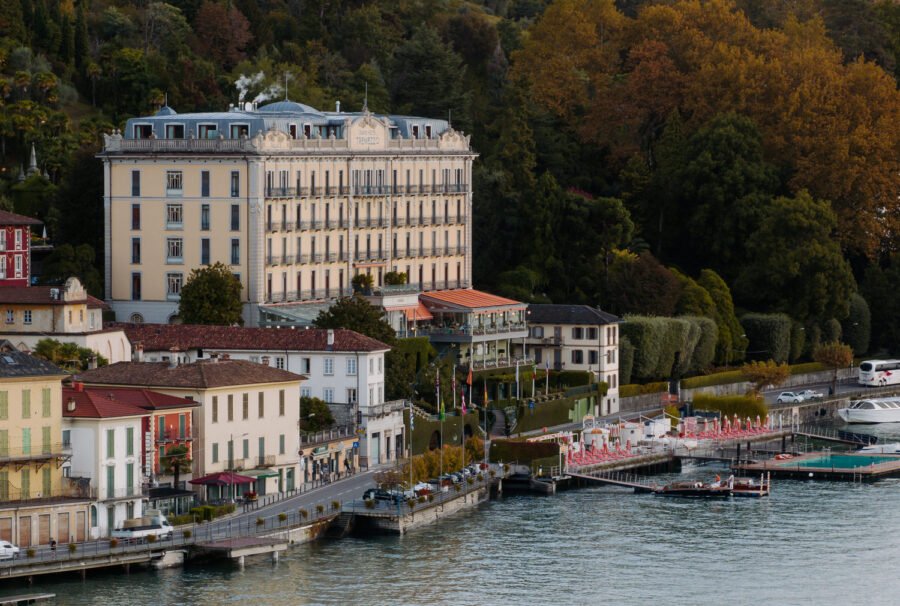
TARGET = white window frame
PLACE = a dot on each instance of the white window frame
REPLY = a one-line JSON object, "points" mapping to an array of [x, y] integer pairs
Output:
{"points": [[173, 124], [174, 250], [214, 126], [26, 316], [138, 125], [18, 239], [18, 266], [328, 395], [174, 216], [351, 367], [2, 239], [174, 182], [174, 283], [328, 369]]}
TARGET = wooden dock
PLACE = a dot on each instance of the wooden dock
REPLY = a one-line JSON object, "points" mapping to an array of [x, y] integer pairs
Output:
{"points": [[798, 468], [240, 548], [616, 478], [25, 598]]}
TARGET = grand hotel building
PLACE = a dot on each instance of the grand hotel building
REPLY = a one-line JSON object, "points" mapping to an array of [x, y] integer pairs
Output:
{"points": [[294, 200]]}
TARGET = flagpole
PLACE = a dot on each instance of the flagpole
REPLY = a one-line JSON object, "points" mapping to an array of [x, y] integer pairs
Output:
{"points": [[411, 427]]}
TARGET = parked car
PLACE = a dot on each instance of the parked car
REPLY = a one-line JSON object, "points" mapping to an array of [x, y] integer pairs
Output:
{"points": [[423, 489], [789, 397], [377, 494], [811, 394], [8, 551]]}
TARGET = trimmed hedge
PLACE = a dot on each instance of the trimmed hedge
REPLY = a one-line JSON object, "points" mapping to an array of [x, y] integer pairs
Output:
{"points": [[769, 336], [634, 389], [705, 349], [719, 378], [807, 367], [521, 451], [550, 414], [626, 360], [743, 406]]}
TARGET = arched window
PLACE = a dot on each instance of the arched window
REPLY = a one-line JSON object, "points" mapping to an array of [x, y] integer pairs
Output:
{"points": [[136, 319]]}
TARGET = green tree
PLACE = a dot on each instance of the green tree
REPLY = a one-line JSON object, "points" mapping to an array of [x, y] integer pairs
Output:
{"points": [[641, 285], [835, 355], [176, 461], [355, 313], [732, 343], [68, 355], [795, 264], [66, 261], [857, 328], [315, 414], [211, 295]]}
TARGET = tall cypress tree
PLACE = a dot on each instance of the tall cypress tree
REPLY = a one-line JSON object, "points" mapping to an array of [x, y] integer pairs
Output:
{"points": [[81, 37]]}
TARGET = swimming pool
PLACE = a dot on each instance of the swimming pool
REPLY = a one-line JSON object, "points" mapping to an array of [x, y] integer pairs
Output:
{"points": [[842, 461]]}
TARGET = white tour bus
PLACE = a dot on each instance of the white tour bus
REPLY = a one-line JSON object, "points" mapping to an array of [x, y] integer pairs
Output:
{"points": [[879, 372]]}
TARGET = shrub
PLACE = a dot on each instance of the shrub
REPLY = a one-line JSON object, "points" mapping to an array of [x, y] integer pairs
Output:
{"points": [[335, 505], [481, 477], [718, 378], [260, 521], [457, 487], [769, 336], [430, 498], [705, 349], [831, 331], [798, 340], [320, 509], [572, 378], [30, 552], [113, 543], [411, 503], [470, 480], [633, 389], [743, 406], [151, 538], [282, 517], [626, 360], [304, 514], [370, 503], [188, 534], [421, 498]]}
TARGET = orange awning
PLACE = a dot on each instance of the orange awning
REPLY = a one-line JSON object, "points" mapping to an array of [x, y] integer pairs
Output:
{"points": [[414, 313]]}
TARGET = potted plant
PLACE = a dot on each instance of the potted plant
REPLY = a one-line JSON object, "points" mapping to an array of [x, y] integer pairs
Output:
{"points": [[320, 509], [304, 513], [73, 547], [335, 505], [188, 534], [113, 543], [282, 517], [370, 503], [260, 521]]}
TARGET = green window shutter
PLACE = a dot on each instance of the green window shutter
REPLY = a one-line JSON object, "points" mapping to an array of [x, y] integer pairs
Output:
{"points": [[26, 403], [45, 402], [281, 444], [110, 443], [110, 482], [4, 442], [26, 440], [182, 426], [4, 485], [161, 433], [129, 478], [47, 482], [4, 405], [215, 453], [45, 440], [26, 483], [129, 441]]}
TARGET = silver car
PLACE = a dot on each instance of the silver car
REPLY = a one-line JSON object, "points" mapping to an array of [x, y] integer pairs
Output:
{"points": [[8, 551]]}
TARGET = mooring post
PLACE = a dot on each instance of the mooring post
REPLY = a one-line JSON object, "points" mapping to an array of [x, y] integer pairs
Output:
{"points": [[275, 557], [241, 562], [783, 443]]}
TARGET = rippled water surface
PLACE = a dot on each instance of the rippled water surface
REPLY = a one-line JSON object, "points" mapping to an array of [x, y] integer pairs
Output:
{"points": [[810, 543]]}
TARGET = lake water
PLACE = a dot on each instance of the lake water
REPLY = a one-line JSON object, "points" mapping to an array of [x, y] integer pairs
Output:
{"points": [[810, 543]]}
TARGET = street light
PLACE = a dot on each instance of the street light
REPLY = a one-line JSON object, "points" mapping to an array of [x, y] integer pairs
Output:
{"points": [[231, 463]]}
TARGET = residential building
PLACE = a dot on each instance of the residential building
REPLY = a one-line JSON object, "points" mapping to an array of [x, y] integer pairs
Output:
{"points": [[577, 337], [328, 454], [15, 249], [36, 502], [247, 418], [482, 330], [66, 313], [342, 367], [106, 436], [297, 201]]}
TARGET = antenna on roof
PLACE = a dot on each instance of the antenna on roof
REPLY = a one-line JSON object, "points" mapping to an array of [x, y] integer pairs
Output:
{"points": [[366, 98], [449, 118], [166, 102], [286, 76]]}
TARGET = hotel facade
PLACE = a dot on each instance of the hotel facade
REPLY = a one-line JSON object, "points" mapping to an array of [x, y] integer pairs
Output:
{"points": [[294, 200]]}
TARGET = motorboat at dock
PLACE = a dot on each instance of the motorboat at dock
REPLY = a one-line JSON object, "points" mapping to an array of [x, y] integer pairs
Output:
{"points": [[696, 489], [871, 410]]}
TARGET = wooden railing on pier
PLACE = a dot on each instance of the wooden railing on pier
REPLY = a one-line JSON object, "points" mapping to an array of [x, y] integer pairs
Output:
{"points": [[617, 478]]}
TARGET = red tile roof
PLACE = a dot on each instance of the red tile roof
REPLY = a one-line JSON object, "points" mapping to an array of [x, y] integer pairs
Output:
{"points": [[96, 404], [163, 337], [196, 375], [8, 218], [144, 399], [40, 295], [467, 298]]}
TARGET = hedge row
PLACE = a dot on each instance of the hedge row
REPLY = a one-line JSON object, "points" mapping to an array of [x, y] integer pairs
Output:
{"points": [[769, 336], [521, 451], [742, 406], [635, 389], [670, 347]]}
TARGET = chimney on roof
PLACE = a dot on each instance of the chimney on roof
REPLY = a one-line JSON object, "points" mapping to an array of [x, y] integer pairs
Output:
{"points": [[226, 356], [78, 386], [330, 341], [71, 404], [173, 359], [213, 357], [92, 362], [265, 360], [138, 352]]}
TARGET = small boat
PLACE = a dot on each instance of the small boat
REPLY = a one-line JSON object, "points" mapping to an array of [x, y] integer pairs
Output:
{"points": [[752, 487], [872, 410], [695, 489], [892, 448]]}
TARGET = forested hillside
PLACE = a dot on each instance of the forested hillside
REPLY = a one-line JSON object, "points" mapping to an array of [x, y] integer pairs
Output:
{"points": [[653, 157]]}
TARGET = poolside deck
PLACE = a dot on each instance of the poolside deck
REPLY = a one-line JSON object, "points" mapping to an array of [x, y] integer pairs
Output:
{"points": [[810, 466]]}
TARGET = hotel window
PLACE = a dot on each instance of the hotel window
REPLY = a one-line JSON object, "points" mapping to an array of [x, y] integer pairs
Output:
{"points": [[18, 239], [204, 251], [351, 366], [204, 217], [235, 251], [215, 453], [593, 356], [135, 216], [135, 287], [280, 402], [11, 318], [305, 392], [231, 407], [329, 366], [174, 131], [174, 216], [245, 406], [239, 130], [235, 184], [305, 365], [135, 183], [592, 333], [173, 183], [279, 363], [174, 250], [143, 131], [204, 183], [328, 394], [351, 395], [135, 250], [2, 239], [18, 265], [207, 131], [261, 405], [27, 316], [235, 217], [577, 356], [577, 333], [215, 409], [173, 285]]}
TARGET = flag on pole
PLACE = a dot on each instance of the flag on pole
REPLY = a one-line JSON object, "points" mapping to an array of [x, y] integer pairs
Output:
{"points": [[412, 419], [441, 415], [533, 378], [485, 395], [469, 377], [463, 403], [453, 386], [437, 387]]}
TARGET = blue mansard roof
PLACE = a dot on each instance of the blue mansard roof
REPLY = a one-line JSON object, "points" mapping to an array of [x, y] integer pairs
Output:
{"points": [[250, 120]]}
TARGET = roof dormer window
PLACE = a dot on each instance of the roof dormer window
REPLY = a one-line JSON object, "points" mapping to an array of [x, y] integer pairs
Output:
{"points": [[240, 130], [143, 131], [207, 131], [174, 131], [415, 131], [428, 131]]}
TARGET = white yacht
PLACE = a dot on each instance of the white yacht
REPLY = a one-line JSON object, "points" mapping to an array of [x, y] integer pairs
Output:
{"points": [[873, 410]]}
